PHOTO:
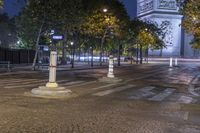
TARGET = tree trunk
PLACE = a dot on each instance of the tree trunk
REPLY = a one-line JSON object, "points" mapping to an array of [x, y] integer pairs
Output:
{"points": [[89, 57], [84, 55], [119, 54], [101, 48], [92, 54], [161, 51], [147, 52], [137, 61], [64, 51], [141, 54], [79, 53], [73, 52], [36, 47]]}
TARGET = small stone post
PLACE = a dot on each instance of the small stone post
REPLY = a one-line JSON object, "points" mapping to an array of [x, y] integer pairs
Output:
{"points": [[111, 66], [52, 70], [171, 62], [176, 62]]}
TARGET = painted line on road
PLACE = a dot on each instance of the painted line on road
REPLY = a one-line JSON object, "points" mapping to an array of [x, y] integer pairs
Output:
{"points": [[21, 86], [30, 84], [84, 83], [72, 83], [143, 92], [185, 100], [107, 92], [161, 96], [8, 81], [105, 86]]}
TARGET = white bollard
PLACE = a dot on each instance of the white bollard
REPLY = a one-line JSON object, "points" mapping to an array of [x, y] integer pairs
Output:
{"points": [[171, 62], [176, 62], [52, 70], [111, 66]]}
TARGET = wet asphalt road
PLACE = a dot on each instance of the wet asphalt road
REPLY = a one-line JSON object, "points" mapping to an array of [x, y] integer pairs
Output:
{"points": [[150, 99]]}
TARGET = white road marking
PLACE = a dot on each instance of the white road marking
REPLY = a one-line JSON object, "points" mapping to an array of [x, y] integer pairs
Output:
{"points": [[191, 90], [21, 86], [105, 86], [73, 83], [107, 92], [161, 96], [143, 92], [84, 83], [8, 81], [185, 99], [30, 84]]}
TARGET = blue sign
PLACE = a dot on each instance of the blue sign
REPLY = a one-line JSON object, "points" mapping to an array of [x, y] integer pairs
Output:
{"points": [[57, 37]]}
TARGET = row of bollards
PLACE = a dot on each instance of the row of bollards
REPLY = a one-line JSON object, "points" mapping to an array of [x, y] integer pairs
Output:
{"points": [[175, 62], [53, 90]]}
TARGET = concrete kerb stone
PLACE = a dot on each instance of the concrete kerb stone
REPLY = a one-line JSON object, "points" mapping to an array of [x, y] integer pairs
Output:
{"points": [[55, 93]]}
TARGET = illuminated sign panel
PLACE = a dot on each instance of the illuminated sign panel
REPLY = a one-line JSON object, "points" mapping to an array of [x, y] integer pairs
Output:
{"points": [[167, 4], [145, 6], [57, 37]]}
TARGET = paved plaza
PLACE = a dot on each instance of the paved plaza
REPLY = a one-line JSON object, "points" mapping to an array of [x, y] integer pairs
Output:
{"points": [[150, 99]]}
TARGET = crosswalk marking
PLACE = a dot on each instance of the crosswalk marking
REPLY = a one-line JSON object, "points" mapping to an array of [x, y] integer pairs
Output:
{"points": [[185, 99], [105, 86], [16, 81], [84, 83], [144, 92], [107, 92], [73, 83], [39, 83], [161, 96]]}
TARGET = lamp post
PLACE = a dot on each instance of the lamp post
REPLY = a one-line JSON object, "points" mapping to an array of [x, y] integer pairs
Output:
{"points": [[92, 56], [105, 10], [72, 61]]}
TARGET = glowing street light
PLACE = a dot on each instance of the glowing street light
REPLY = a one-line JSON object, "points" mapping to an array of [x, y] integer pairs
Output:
{"points": [[72, 43], [105, 10]]}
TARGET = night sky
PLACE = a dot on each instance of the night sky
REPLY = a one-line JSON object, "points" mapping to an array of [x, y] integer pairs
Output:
{"points": [[12, 7]]}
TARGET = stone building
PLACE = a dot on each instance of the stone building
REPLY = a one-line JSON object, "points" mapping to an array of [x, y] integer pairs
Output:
{"points": [[167, 11]]}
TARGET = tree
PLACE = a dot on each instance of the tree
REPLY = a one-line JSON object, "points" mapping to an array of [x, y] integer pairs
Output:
{"points": [[32, 24], [191, 22], [105, 20], [1, 3], [8, 36], [146, 35], [40, 16]]}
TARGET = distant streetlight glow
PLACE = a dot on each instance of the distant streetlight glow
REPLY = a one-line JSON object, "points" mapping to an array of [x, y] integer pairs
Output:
{"points": [[105, 10], [18, 42], [72, 43]]}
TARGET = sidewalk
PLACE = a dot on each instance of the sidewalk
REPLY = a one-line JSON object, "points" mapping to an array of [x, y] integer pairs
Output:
{"points": [[77, 66]]}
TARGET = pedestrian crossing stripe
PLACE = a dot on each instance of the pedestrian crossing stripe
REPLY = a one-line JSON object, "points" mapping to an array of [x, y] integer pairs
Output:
{"points": [[110, 91], [161, 96], [105, 86], [30, 84], [72, 83], [16, 81], [185, 99], [143, 92]]}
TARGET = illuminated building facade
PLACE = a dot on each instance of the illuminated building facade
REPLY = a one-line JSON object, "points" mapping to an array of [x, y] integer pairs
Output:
{"points": [[166, 11]]}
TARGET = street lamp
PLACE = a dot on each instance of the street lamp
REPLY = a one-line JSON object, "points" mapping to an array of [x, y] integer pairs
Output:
{"points": [[105, 10], [73, 52]]}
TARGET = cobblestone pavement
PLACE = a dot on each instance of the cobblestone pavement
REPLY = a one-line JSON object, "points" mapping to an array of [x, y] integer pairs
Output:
{"points": [[151, 99]]}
